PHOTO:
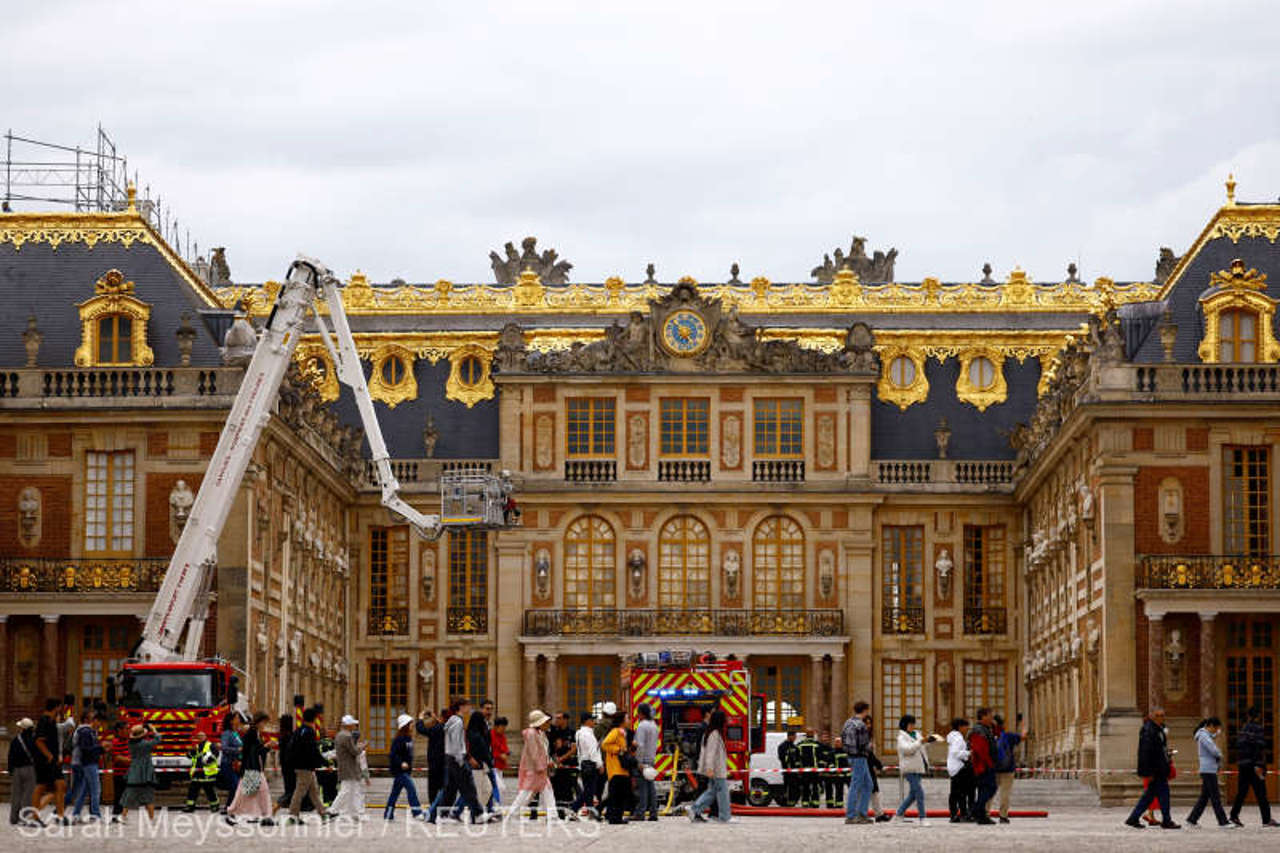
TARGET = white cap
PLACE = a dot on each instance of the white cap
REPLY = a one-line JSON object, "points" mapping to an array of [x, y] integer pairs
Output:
{"points": [[348, 720], [403, 720], [609, 709]]}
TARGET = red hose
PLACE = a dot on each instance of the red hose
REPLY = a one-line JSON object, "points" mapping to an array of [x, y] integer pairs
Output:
{"points": [[797, 811]]}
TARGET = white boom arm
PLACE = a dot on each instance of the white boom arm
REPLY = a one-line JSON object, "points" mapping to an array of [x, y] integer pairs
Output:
{"points": [[182, 601]]}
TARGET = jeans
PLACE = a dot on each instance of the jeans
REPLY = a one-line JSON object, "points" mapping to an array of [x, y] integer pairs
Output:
{"points": [[90, 785], [718, 790], [587, 794], [460, 786], [1209, 793], [915, 794], [403, 782], [859, 797], [77, 784], [1157, 791], [1251, 778], [986, 790], [495, 789], [646, 799]]}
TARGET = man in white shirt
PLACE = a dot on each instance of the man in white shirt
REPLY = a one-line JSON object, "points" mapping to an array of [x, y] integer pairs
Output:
{"points": [[589, 763]]}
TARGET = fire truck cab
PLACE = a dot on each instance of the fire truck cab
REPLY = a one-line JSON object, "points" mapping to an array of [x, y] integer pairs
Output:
{"points": [[176, 699], [683, 688]]}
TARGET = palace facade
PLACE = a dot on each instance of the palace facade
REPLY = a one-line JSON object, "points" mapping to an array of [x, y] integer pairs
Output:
{"points": [[1052, 498]]}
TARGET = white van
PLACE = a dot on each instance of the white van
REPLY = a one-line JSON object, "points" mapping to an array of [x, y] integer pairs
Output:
{"points": [[767, 785]]}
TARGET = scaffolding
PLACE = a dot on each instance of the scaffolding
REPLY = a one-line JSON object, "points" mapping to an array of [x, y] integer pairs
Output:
{"points": [[40, 174]]}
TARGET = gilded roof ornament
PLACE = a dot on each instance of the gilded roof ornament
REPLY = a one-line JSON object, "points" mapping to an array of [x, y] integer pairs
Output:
{"points": [[1231, 188], [112, 283]]}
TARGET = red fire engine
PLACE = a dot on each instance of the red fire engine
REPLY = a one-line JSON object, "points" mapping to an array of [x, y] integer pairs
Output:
{"points": [[683, 688]]}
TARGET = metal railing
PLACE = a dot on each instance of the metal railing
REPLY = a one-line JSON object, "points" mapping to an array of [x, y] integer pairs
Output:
{"points": [[986, 620], [684, 470], [590, 470], [902, 620], [388, 621], [467, 620], [131, 383], [426, 472], [778, 470], [81, 575], [644, 623], [1208, 571]]}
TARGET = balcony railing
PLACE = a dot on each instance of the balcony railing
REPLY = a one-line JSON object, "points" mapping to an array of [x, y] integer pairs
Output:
{"points": [[1235, 380], [467, 620], [81, 575], [959, 474], [424, 474], [902, 620], [778, 471], [985, 620], [1214, 571], [645, 623], [388, 621], [684, 470], [131, 383], [590, 470]]}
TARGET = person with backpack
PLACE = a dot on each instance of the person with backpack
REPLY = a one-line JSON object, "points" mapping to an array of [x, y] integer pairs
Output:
{"points": [[856, 737], [22, 773], [1007, 761], [1251, 745], [86, 753]]}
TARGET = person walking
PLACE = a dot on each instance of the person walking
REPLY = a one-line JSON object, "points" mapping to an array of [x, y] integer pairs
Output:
{"points": [[400, 763], [432, 728], [140, 782], [22, 773], [347, 752], [646, 743], [1007, 761], [1210, 763], [875, 766], [535, 765], [51, 785], [616, 761], [809, 748], [1153, 763], [288, 778], [501, 751], [304, 749], [959, 768], [230, 744], [480, 750], [789, 759], [253, 794], [459, 784], [713, 763], [982, 749], [589, 765], [564, 757], [86, 753], [1251, 760], [202, 759], [913, 763], [856, 737]]}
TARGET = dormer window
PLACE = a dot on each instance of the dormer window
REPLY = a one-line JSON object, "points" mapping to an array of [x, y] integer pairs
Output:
{"points": [[1238, 336], [1238, 318], [115, 339], [113, 325]]}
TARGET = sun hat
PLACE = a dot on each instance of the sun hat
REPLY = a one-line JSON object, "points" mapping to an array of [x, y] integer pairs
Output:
{"points": [[609, 709], [348, 720], [537, 718], [403, 720], [137, 731]]}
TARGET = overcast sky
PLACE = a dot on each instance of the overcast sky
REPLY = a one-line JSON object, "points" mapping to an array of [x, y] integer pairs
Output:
{"points": [[410, 139]]}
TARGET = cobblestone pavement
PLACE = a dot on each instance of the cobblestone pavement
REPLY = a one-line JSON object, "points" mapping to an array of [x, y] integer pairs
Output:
{"points": [[1080, 828]]}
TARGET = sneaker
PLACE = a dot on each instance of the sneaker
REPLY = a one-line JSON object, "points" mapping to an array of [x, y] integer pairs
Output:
{"points": [[882, 817], [1168, 824], [1227, 825], [1135, 824], [1191, 823], [851, 820], [266, 821], [1235, 821], [1272, 823], [1004, 819], [696, 817], [922, 822]]}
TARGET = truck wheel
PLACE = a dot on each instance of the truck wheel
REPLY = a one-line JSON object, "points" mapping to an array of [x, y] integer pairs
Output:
{"points": [[760, 795]]}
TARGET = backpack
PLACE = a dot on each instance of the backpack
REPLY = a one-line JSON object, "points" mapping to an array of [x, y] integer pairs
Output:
{"points": [[1006, 762]]}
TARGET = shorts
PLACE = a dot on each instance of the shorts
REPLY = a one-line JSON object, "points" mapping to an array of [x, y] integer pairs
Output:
{"points": [[48, 774]]}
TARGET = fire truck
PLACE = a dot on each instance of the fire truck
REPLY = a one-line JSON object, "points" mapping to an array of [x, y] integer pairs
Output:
{"points": [[683, 688], [166, 683]]}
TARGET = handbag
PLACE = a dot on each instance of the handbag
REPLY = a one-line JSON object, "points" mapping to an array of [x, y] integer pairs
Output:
{"points": [[250, 782]]}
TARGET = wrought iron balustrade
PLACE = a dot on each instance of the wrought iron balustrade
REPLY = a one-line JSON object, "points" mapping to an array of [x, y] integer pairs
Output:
{"points": [[1208, 571], [985, 620], [778, 470], [388, 621], [709, 622], [590, 470], [902, 620], [684, 470], [467, 620], [81, 575]]}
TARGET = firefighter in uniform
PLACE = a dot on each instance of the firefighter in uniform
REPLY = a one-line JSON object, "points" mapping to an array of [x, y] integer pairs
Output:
{"points": [[810, 759], [834, 781], [789, 759], [204, 771]]}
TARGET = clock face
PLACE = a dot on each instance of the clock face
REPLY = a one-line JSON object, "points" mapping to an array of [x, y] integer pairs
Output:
{"points": [[685, 333]]}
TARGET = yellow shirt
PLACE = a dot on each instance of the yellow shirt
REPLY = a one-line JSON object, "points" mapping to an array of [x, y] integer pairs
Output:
{"points": [[614, 744]]}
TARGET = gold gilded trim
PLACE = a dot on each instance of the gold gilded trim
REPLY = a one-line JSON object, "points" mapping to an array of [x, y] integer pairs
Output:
{"points": [[317, 366], [1233, 221], [379, 388], [967, 392], [902, 396], [114, 295], [1238, 288], [456, 389]]}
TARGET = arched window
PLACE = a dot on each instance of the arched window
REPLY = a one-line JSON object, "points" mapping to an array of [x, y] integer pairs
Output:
{"points": [[1238, 336], [777, 564], [590, 564], [684, 564]]}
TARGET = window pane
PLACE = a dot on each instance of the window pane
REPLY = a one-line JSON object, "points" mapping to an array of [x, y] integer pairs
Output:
{"points": [[778, 564], [589, 564], [684, 564]]}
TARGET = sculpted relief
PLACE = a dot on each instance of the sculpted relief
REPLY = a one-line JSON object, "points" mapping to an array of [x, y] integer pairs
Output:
{"points": [[637, 441], [543, 451], [731, 441]]}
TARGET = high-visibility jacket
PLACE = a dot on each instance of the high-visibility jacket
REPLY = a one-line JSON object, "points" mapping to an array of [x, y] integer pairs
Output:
{"points": [[204, 761], [810, 752]]}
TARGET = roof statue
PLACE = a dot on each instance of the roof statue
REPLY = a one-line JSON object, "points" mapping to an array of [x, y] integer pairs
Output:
{"points": [[547, 265], [219, 271], [1165, 264], [878, 267]]}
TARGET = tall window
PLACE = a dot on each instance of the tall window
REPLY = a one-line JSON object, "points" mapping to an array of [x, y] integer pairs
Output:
{"points": [[685, 426], [469, 678], [590, 564], [903, 572], [108, 504], [1237, 336], [591, 426], [388, 699], [779, 428], [684, 564], [115, 339], [588, 686], [388, 569], [777, 564], [984, 686], [902, 692], [984, 565], [103, 650], [1246, 491], [783, 687], [468, 569]]}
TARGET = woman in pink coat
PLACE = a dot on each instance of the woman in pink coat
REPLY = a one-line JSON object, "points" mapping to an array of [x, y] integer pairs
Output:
{"points": [[535, 768]]}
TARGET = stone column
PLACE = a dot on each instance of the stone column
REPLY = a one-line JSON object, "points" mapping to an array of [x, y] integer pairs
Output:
{"points": [[49, 657], [1208, 663], [841, 707], [815, 714], [507, 593], [1155, 660], [4, 665], [553, 699], [857, 594], [530, 678]]}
